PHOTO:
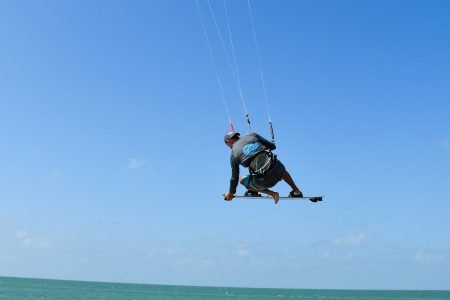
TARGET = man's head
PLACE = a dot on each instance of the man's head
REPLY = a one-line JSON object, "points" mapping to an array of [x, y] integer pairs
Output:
{"points": [[231, 138]]}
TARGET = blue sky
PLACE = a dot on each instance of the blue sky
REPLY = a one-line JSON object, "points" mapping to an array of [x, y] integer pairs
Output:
{"points": [[112, 156]]}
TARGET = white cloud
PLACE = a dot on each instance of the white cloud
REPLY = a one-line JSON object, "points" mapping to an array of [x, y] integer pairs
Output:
{"points": [[7, 257], [83, 260], [55, 174], [241, 249], [427, 257], [242, 252], [134, 163], [351, 239], [180, 256], [30, 242], [21, 234]]}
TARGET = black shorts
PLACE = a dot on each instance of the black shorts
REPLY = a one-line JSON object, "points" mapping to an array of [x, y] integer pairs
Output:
{"points": [[267, 181]]}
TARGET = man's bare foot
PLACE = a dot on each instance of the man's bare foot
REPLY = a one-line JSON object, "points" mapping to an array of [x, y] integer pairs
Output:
{"points": [[276, 197]]}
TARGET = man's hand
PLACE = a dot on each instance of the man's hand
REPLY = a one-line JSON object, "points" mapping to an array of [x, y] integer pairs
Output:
{"points": [[229, 196]]}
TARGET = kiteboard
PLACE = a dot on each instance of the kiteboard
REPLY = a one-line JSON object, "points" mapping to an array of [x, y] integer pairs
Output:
{"points": [[261, 197]]}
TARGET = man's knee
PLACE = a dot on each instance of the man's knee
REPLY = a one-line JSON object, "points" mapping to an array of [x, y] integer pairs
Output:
{"points": [[245, 181]]}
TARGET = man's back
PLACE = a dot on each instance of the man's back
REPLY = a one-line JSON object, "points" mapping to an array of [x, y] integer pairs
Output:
{"points": [[248, 146]]}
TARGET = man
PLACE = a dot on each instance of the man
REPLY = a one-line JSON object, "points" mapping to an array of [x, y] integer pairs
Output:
{"points": [[254, 152]]}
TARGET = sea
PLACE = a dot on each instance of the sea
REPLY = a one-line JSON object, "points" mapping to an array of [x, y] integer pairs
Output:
{"points": [[24, 288]]}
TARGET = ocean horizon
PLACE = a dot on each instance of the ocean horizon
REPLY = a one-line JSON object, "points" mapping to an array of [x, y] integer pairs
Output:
{"points": [[14, 288]]}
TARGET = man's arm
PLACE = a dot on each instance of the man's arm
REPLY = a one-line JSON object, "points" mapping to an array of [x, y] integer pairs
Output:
{"points": [[234, 180]]}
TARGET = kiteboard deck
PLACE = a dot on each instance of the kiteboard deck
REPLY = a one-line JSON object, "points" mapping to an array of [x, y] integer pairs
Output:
{"points": [[261, 197]]}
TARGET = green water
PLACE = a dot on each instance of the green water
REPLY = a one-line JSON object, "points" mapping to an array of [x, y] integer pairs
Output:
{"points": [[20, 288]]}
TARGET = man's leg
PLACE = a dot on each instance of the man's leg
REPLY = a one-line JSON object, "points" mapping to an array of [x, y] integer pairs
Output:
{"points": [[274, 195], [288, 179], [246, 182]]}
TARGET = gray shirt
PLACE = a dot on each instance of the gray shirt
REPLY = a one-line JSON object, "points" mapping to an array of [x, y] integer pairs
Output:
{"points": [[242, 153]]}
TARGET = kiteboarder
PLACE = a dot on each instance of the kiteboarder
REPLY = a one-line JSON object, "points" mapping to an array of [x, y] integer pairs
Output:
{"points": [[254, 152]]}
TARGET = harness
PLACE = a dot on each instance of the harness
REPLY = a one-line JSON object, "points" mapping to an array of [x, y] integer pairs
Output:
{"points": [[262, 163]]}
